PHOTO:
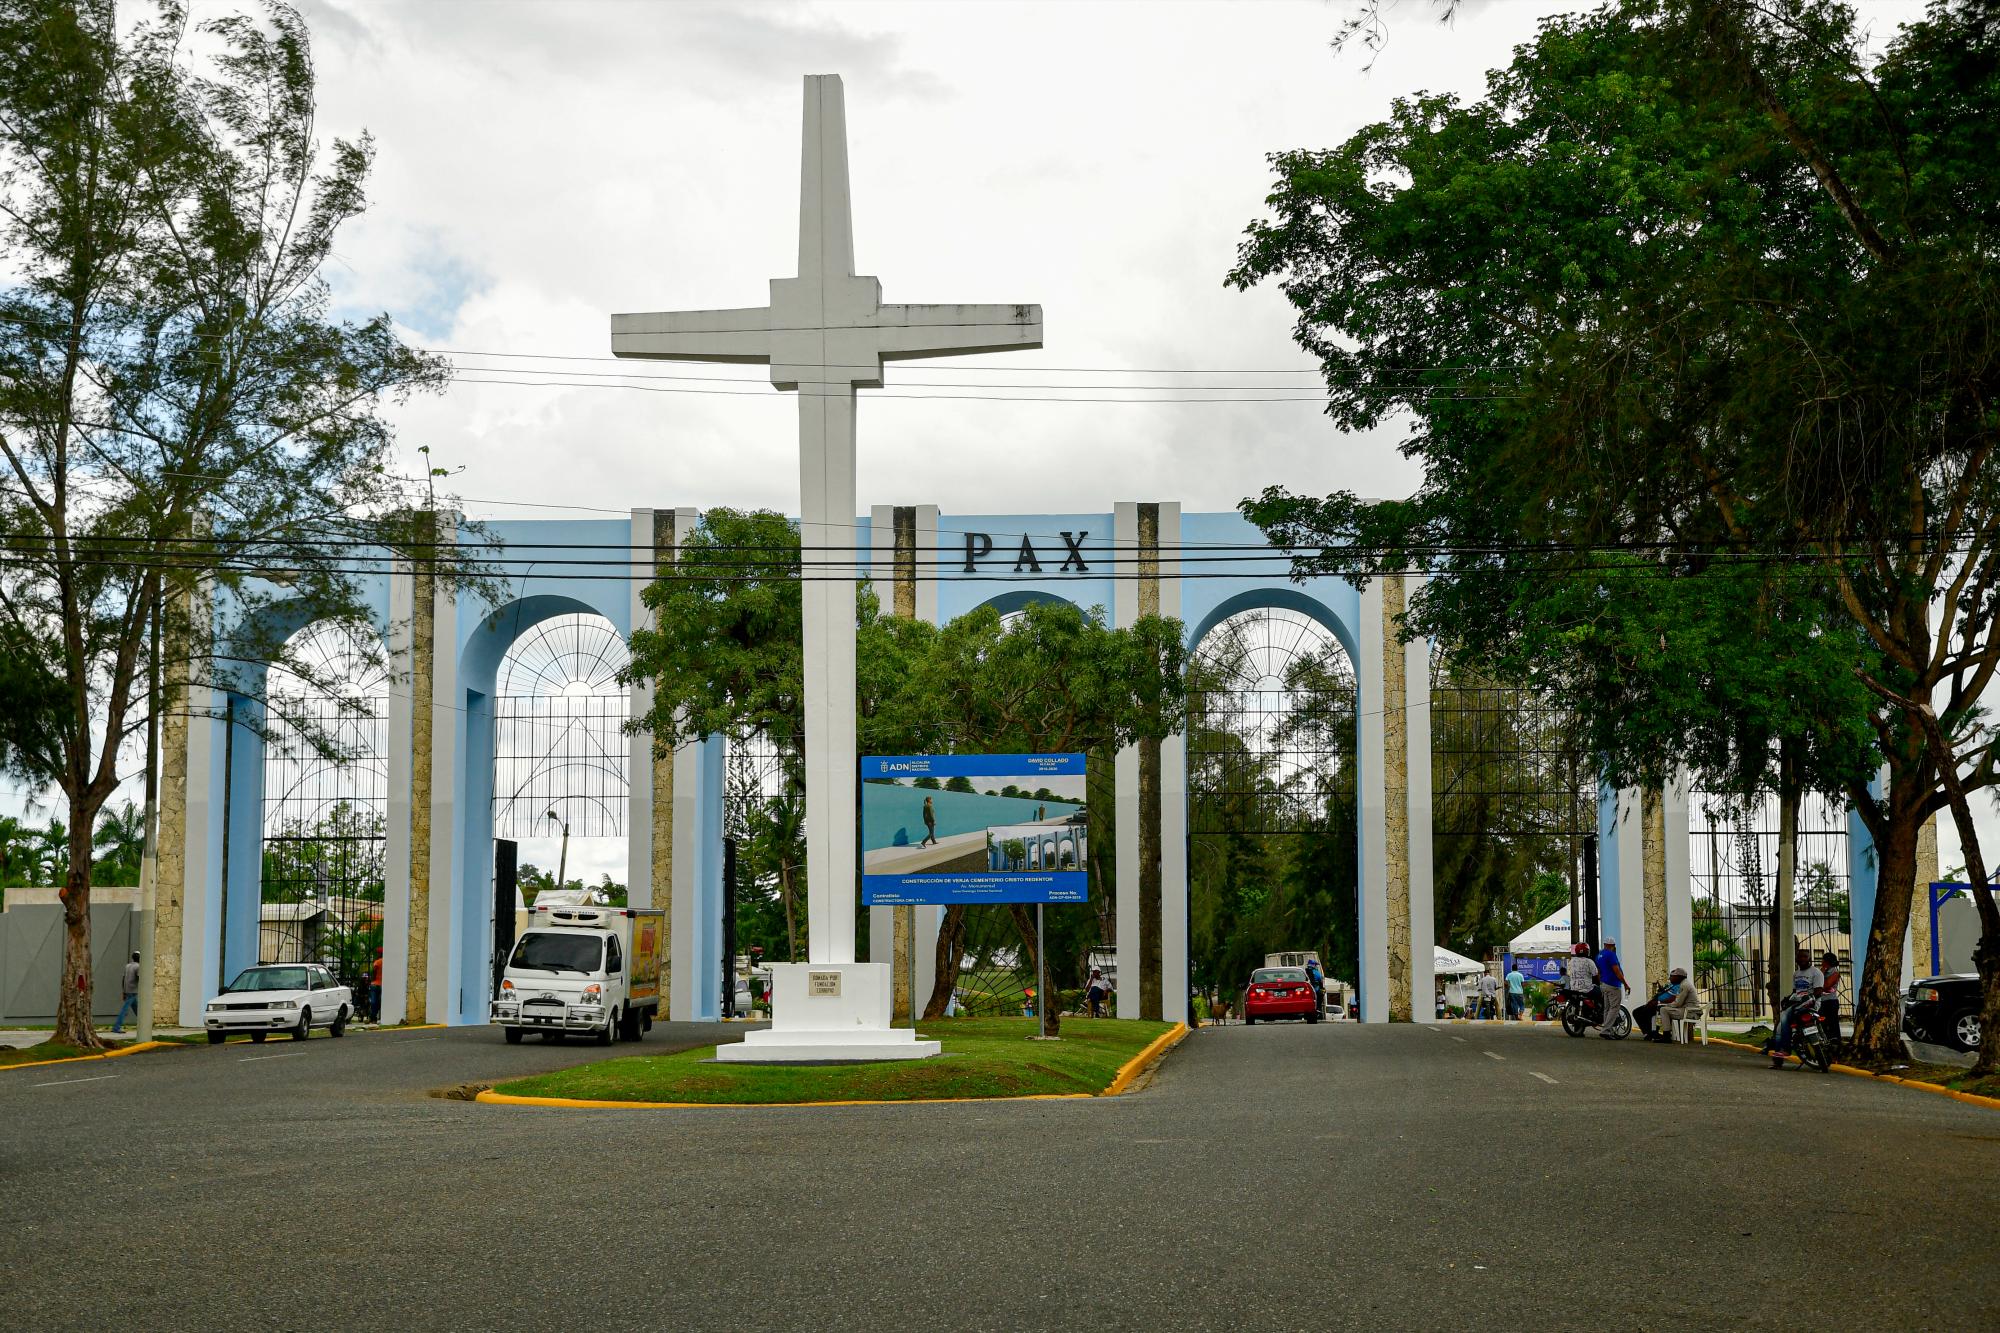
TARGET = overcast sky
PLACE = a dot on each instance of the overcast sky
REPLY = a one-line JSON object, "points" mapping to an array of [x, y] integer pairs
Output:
{"points": [[542, 165]]}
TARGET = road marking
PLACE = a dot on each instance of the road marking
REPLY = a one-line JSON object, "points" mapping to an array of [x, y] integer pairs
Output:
{"points": [[1433, 1027], [1460, 1040], [66, 1082], [1543, 1077], [284, 1056], [398, 1041], [1491, 1056]]}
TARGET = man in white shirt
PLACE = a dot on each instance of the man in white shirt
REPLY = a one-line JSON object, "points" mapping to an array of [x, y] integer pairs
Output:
{"points": [[1489, 996], [1807, 983]]}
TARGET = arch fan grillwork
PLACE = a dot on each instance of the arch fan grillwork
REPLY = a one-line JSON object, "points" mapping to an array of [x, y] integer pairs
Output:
{"points": [[1270, 724], [559, 738]]}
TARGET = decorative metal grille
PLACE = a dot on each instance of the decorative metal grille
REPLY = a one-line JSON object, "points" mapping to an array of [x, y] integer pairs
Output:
{"points": [[1733, 858], [1270, 725], [559, 738], [325, 806]]}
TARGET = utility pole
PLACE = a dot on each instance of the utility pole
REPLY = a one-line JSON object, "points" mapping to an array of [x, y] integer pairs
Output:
{"points": [[562, 860], [1590, 925]]}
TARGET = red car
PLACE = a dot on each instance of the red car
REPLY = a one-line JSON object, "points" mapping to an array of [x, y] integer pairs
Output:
{"points": [[1280, 992]]}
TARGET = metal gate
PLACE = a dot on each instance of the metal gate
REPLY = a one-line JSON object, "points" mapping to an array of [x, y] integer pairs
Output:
{"points": [[325, 807]]}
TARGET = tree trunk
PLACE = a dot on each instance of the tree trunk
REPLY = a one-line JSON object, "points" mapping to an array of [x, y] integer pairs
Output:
{"points": [[950, 951], [1878, 1034], [73, 1000]]}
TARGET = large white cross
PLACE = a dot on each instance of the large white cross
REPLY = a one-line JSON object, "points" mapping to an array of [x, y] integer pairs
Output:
{"points": [[825, 334]]}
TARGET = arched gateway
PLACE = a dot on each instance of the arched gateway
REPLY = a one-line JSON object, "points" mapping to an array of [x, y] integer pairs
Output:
{"points": [[439, 737]]}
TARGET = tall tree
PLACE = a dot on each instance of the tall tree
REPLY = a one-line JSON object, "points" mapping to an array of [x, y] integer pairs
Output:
{"points": [[1698, 285], [180, 413]]}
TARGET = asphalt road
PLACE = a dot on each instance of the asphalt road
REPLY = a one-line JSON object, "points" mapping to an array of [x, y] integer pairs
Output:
{"points": [[1270, 1178]]}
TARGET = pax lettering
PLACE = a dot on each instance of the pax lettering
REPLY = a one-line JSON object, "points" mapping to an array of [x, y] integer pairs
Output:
{"points": [[1027, 560]]}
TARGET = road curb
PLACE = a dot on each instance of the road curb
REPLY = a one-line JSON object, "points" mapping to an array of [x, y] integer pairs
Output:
{"points": [[1138, 1064], [1155, 1050], [1970, 1098], [133, 1049]]}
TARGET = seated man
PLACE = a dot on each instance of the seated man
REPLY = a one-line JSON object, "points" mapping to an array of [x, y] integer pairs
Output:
{"points": [[1675, 999]]}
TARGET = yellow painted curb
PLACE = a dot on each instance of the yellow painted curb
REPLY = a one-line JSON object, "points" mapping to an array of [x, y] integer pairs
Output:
{"points": [[1970, 1098], [1132, 1068], [133, 1049], [1128, 1071], [492, 1098]]}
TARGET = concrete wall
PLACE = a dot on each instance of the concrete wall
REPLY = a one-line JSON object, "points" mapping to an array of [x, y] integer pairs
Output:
{"points": [[31, 950]]}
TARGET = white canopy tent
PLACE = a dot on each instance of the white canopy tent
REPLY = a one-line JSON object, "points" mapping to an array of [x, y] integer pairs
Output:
{"points": [[1451, 964], [1549, 935]]}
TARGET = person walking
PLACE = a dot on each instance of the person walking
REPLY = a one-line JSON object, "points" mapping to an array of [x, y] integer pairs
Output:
{"points": [[375, 988], [129, 987], [1517, 994], [1317, 976], [930, 824], [1612, 986]]}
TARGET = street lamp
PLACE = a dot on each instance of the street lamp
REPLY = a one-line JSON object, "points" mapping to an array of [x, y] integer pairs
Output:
{"points": [[562, 863]]}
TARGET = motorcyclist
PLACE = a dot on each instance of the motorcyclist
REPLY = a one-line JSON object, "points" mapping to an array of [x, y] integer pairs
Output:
{"points": [[1808, 982], [1580, 973]]}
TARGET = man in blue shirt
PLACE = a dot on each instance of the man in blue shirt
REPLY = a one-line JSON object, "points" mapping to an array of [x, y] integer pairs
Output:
{"points": [[1611, 984]]}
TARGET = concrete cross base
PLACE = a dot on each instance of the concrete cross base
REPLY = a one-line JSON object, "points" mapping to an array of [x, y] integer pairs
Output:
{"points": [[826, 1013]]}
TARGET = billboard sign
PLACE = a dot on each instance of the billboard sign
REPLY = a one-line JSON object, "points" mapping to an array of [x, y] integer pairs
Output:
{"points": [[974, 828]]}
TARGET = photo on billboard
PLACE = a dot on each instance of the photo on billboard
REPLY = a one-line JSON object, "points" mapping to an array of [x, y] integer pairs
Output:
{"points": [[966, 828]]}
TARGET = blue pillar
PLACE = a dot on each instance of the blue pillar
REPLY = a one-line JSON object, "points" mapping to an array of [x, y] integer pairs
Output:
{"points": [[243, 930], [708, 884], [1863, 878]]}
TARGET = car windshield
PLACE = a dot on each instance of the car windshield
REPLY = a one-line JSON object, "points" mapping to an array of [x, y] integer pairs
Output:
{"points": [[1277, 974], [554, 951], [269, 978]]}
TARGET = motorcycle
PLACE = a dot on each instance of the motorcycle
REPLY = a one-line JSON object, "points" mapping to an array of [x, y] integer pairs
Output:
{"points": [[1811, 1041], [1583, 1010]]}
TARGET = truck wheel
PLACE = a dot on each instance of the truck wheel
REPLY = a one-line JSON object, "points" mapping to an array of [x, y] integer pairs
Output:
{"points": [[609, 1033], [628, 1027], [513, 1036]]}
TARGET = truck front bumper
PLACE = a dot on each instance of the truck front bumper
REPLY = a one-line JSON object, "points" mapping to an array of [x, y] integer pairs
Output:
{"points": [[549, 1017]]}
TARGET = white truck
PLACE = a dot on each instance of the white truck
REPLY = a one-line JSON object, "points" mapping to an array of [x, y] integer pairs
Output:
{"points": [[589, 970]]}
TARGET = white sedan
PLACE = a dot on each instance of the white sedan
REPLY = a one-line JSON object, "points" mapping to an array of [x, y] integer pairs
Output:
{"points": [[282, 997]]}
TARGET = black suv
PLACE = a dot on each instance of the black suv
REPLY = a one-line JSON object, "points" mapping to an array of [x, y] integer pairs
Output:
{"points": [[1944, 1010]]}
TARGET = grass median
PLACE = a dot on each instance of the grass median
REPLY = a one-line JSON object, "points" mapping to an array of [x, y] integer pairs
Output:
{"points": [[982, 1057]]}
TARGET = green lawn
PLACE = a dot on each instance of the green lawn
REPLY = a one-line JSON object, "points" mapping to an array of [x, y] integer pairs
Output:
{"points": [[46, 1050], [983, 1057]]}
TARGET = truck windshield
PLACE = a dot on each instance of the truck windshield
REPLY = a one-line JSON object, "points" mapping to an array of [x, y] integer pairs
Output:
{"points": [[551, 951]]}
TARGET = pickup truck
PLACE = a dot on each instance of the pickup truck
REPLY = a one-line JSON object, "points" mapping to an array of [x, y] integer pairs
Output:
{"points": [[592, 971]]}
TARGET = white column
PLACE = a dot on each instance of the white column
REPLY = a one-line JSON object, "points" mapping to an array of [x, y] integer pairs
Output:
{"points": [[201, 900], [826, 488], [1125, 801], [400, 768], [1173, 805], [1417, 772], [1373, 797]]}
